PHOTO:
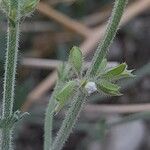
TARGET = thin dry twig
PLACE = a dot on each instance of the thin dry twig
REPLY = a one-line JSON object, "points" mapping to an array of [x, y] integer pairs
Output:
{"points": [[51, 64], [64, 20], [116, 109]]}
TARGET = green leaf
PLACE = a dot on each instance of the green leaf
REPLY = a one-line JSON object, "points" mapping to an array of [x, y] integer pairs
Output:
{"points": [[125, 74], [28, 6], [76, 59], [63, 72], [66, 92], [9, 122], [102, 66], [115, 71], [109, 88]]}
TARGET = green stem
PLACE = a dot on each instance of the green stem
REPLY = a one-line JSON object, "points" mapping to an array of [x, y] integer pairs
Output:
{"points": [[69, 121], [48, 126], [6, 143], [10, 68], [10, 73], [108, 37]]}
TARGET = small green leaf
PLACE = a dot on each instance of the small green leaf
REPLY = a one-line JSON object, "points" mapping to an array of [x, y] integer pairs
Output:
{"points": [[109, 88], [76, 59], [128, 73], [66, 92], [102, 66], [63, 72], [115, 71], [28, 6], [125, 74], [10, 121]]}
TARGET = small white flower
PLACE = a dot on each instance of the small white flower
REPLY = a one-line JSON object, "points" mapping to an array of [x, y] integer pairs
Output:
{"points": [[91, 87]]}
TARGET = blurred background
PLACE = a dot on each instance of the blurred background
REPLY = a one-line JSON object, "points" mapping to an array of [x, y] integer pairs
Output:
{"points": [[46, 38]]}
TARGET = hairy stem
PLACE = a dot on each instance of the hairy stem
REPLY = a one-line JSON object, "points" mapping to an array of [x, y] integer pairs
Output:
{"points": [[10, 72], [108, 37], [6, 143], [48, 126], [69, 121], [10, 68]]}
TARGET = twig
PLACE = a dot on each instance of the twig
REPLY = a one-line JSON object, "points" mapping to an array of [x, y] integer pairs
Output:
{"points": [[50, 64], [64, 20], [119, 109]]}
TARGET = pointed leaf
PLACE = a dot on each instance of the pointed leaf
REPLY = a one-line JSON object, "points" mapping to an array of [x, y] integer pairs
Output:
{"points": [[125, 74], [102, 66], [109, 88], [75, 58], [28, 6], [66, 92], [115, 71]]}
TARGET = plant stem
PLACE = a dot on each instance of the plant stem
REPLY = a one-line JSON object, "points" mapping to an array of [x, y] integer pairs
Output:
{"points": [[10, 73], [69, 121], [10, 68], [111, 31], [48, 126], [6, 143]]}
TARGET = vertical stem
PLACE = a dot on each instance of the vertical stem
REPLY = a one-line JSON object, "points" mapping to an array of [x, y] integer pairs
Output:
{"points": [[48, 126], [108, 37], [10, 68], [69, 121], [6, 143], [10, 72]]}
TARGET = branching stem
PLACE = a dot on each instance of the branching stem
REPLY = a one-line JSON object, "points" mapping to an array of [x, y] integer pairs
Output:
{"points": [[79, 99], [111, 31], [69, 121]]}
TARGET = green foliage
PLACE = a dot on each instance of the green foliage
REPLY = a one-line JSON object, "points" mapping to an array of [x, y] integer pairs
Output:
{"points": [[102, 66], [8, 123], [14, 10], [97, 73], [26, 7], [115, 71], [68, 87], [64, 72], [75, 59], [110, 33], [65, 94], [108, 88]]}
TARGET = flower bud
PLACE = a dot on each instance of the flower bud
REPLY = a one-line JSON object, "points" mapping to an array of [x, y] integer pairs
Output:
{"points": [[91, 87]]}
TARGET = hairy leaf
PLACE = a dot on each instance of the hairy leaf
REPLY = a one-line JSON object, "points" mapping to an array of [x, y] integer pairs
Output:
{"points": [[109, 88], [75, 59]]}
